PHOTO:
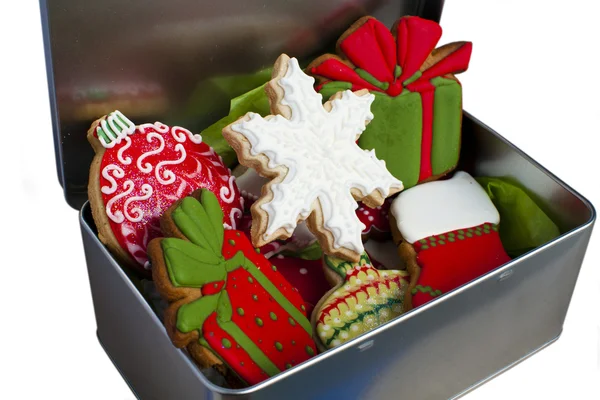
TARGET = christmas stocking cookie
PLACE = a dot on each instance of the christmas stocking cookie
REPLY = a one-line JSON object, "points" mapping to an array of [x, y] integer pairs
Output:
{"points": [[418, 102], [138, 172], [227, 303], [447, 233], [362, 299]]}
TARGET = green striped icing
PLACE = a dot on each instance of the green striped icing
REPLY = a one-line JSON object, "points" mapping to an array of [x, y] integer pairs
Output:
{"points": [[427, 290]]}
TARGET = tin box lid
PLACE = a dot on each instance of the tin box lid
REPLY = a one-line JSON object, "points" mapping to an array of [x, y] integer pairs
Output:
{"points": [[161, 61]]}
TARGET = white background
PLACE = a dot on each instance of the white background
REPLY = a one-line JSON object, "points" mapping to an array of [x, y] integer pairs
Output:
{"points": [[534, 77]]}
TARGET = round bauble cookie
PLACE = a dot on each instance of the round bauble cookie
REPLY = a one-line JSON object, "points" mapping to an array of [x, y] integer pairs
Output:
{"points": [[139, 171]]}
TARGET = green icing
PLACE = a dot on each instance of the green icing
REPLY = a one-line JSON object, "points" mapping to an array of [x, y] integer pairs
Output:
{"points": [[240, 311], [192, 220], [397, 71], [413, 78], [331, 88], [447, 120], [394, 133], [371, 79], [278, 346], [191, 316], [249, 347], [309, 351], [258, 321], [190, 265], [226, 343], [341, 267], [273, 316], [215, 213]]}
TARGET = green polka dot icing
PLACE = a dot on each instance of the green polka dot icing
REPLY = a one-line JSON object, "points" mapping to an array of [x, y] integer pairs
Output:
{"points": [[254, 297], [469, 235], [250, 280], [441, 242], [442, 237], [309, 351], [257, 250], [478, 233], [423, 241], [292, 322], [258, 321], [231, 242], [240, 311], [278, 346], [288, 366], [226, 343], [424, 247], [274, 268], [273, 316], [451, 239], [460, 237]]}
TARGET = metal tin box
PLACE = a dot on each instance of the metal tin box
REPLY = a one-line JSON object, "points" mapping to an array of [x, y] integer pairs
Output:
{"points": [[441, 350]]}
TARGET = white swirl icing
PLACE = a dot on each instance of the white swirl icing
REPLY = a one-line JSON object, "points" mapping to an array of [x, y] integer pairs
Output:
{"points": [[227, 194], [118, 217], [180, 133], [168, 176], [117, 173], [157, 126], [138, 214], [124, 160], [232, 215], [147, 168]]}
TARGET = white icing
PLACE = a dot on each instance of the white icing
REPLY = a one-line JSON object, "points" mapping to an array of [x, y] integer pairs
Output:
{"points": [[180, 133], [157, 126], [167, 177], [117, 173], [324, 163], [437, 207], [126, 160], [147, 168], [116, 126], [118, 217], [227, 194], [136, 214], [235, 212]]}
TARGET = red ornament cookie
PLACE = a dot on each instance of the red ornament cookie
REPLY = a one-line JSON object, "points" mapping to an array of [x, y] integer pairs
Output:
{"points": [[138, 172]]}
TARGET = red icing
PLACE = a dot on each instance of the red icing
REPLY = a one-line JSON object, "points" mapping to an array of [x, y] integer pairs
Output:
{"points": [[305, 275], [338, 71], [376, 220], [416, 38], [201, 168], [372, 48], [234, 356], [276, 326], [427, 133], [394, 278], [241, 243], [249, 301], [448, 266]]}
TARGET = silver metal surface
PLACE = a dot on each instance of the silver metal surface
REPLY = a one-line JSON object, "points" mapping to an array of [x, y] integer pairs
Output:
{"points": [[438, 351], [159, 60]]}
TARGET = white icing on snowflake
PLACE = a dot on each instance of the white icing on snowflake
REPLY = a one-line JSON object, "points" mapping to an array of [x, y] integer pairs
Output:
{"points": [[323, 161]]}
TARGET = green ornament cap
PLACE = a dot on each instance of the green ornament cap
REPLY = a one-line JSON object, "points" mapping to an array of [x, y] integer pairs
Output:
{"points": [[112, 129]]}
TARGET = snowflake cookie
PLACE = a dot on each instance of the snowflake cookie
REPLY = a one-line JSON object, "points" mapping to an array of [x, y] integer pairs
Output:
{"points": [[317, 171]]}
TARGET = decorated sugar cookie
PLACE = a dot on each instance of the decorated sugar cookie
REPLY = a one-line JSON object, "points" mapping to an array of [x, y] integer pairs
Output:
{"points": [[228, 304], [363, 298], [316, 170], [448, 234], [376, 221], [138, 172], [418, 101]]}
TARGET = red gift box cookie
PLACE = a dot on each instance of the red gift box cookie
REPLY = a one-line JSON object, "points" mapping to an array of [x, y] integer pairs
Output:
{"points": [[228, 304], [139, 171], [418, 101], [447, 233]]}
